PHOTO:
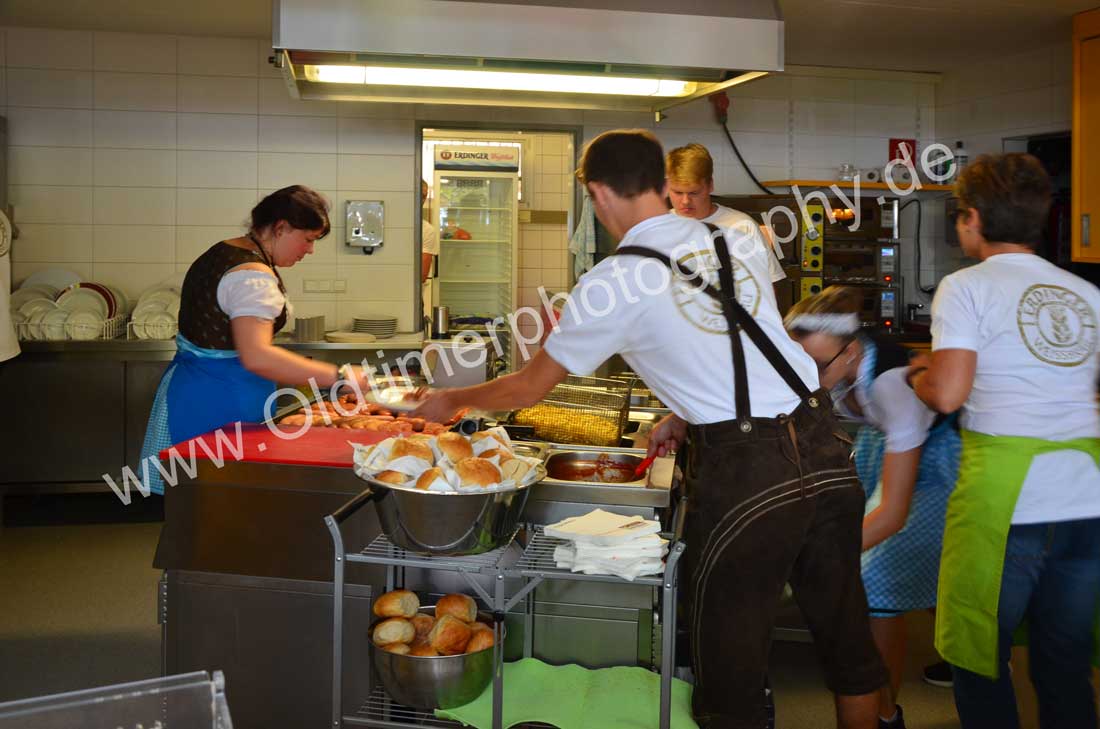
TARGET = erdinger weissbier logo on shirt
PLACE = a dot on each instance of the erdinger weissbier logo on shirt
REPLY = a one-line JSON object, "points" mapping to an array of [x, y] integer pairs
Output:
{"points": [[700, 309], [1057, 325]]}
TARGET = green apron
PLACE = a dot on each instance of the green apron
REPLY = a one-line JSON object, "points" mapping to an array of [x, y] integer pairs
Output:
{"points": [[979, 514]]}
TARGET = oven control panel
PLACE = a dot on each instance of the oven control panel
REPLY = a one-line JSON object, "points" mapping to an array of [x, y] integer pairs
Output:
{"points": [[813, 239]]}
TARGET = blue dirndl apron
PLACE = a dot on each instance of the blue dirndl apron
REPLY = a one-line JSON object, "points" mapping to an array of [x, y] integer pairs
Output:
{"points": [[901, 572], [201, 390]]}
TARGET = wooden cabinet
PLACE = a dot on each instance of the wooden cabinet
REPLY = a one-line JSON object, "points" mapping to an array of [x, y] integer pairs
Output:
{"points": [[1086, 136]]}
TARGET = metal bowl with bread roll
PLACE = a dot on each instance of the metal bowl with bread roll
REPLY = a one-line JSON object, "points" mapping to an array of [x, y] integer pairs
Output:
{"points": [[417, 678], [450, 523], [447, 524]]}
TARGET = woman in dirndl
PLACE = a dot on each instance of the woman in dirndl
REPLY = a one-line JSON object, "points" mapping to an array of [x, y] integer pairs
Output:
{"points": [[907, 458], [233, 302]]}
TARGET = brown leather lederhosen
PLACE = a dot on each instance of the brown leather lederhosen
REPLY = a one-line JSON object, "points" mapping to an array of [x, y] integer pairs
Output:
{"points": [[770, 501]]}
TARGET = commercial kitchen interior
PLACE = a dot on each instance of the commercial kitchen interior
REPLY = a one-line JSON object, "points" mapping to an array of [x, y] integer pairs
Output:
{"points": [[138, 133]]}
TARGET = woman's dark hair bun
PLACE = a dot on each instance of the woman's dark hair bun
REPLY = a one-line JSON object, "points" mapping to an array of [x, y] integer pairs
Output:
{"points": [[301, 207]]}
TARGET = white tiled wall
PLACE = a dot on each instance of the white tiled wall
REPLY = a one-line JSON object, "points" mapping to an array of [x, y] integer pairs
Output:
{"points": [[804, 124], [1015, 95], [132, 153]]}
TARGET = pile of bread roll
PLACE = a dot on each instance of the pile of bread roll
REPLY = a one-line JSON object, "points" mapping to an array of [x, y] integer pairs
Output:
{"points": [[447, 462], [406, 631]]}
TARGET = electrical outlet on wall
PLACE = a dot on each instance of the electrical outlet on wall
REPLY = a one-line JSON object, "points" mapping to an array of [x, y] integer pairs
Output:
{"points": [[309, 286], [340, 286]]}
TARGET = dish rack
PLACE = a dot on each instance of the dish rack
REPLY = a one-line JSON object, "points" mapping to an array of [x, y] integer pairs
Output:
{"points": [[533, 565], [161, 331], [112, 328], [580, 411]]}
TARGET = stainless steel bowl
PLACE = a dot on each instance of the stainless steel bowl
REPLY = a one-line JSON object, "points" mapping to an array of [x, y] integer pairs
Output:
{"points": [[449, 524], [435, 682], [593, 466]]}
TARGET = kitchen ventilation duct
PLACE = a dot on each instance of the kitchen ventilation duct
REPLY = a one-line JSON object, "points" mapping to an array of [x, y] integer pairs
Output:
{"points": [[600, 54]]}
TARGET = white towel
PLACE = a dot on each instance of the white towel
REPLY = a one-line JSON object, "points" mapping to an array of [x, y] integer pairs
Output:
{"points": [[602, 528], [583, 242], [628, 571], [584, 552]]}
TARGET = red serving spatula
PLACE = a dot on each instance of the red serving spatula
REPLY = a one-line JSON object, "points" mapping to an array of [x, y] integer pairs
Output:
{"points": [[644, 465]]}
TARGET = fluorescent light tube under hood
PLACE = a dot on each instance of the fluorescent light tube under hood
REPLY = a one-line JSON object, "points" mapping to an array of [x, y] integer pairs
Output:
{"points": [[499, 80]]}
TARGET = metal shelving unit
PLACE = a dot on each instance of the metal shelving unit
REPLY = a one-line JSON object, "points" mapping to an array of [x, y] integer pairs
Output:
{"points": [[534, 566]]}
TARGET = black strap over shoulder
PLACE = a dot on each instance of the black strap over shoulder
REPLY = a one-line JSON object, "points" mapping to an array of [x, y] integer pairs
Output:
{"points": [[737, 319]]}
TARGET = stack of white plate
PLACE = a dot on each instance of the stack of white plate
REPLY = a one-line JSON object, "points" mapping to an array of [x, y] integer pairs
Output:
{"points": [[55, 304], [32, 315], [380, 326], [156, 315]]}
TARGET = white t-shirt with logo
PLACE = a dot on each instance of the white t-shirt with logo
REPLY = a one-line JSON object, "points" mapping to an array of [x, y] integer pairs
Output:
{"points": [[1034, 327], [725, 217], [674, 339]]}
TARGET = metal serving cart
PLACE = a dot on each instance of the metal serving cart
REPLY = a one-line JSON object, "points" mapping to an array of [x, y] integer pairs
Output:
{"points": [[534, 565]]}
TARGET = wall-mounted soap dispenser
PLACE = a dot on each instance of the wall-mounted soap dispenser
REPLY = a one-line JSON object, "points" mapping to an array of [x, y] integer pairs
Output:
{"points": [[365, 224]]}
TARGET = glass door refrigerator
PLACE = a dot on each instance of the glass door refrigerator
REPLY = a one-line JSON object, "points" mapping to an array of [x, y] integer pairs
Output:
{"points": [[477, 221]]}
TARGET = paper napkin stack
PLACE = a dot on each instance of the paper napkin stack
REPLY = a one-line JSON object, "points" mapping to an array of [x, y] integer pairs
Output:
{"points": [[602, 543]]}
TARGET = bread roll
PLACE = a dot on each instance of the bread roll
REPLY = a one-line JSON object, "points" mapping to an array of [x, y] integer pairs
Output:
{"points": [[480, 640], [515, 469], [428, 477], [454, 446], [393, 630], [409, 447], [449, 636], [391, 477], [423, 625], [401, 649], [480, 436], [462, 607], [478, 625], [423, 651], [397, 604], [503, 453], [477, 472]]}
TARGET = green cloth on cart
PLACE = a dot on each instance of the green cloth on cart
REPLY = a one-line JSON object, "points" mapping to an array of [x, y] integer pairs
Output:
{"points": [[573, 697]]}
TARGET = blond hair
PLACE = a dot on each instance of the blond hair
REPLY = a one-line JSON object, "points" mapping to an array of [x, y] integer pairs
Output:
{"points": [[690, 165], [842, 301]]}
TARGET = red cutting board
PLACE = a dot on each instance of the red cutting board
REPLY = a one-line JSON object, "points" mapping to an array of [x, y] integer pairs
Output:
{"points": [[318, 446]]}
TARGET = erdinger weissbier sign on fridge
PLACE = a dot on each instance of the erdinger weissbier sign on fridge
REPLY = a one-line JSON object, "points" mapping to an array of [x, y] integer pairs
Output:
{"points": [[477, 219]]}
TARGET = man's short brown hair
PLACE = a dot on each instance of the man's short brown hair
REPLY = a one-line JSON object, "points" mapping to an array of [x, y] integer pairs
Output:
{"points": [[629, 161], [1011, 192]]}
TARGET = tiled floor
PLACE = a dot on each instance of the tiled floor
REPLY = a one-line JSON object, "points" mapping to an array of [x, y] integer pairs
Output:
{"points": [[77, 609]]}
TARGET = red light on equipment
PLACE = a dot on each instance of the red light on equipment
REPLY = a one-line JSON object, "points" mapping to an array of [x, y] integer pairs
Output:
{"points": [[888, 323], [888, 278]]}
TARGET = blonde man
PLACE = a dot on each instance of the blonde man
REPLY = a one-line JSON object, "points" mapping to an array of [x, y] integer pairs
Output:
{"points": [[690, 173]]}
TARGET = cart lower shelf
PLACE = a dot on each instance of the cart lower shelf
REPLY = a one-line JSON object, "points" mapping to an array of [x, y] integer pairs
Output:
{"points": [[380, 711]]}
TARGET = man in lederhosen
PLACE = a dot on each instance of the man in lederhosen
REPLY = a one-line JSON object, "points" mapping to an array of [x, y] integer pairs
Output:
{"points": [[772, 496]]}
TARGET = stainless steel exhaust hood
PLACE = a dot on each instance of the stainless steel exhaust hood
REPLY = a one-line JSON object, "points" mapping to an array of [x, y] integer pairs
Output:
{"points": [[600, 54]]}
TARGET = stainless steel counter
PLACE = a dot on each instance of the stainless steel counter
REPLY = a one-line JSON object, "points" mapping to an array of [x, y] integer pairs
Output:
{"points": [[121, 349]]}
